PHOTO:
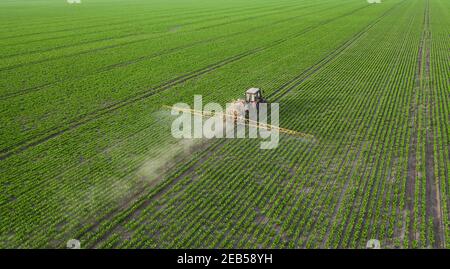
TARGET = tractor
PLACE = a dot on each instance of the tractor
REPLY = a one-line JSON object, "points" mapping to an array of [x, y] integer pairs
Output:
{"points": [[241, 107]]}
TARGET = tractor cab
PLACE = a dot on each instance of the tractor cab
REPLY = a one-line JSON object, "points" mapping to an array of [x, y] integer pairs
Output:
{"points": [[240, 108], [253, 95]]}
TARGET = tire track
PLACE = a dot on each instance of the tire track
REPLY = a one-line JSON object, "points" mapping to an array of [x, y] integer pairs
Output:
{"points": [[39, 23], [299, 79], [189, 13]]}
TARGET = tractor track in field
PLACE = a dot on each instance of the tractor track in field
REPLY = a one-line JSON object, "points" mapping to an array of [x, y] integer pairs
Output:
{"points": [[412, 159], [433, 207], [388, 190], [141, 58], [339, 168], [209, 152], [296, 81], [162, 34], [97, 20], [105, 69], [91, 116]]}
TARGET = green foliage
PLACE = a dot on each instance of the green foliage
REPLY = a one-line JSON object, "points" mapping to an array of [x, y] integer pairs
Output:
{"points": [[86, 150]]}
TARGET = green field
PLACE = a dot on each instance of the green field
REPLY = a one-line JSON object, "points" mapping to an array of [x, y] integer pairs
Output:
{"points": [[86, 150]]}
